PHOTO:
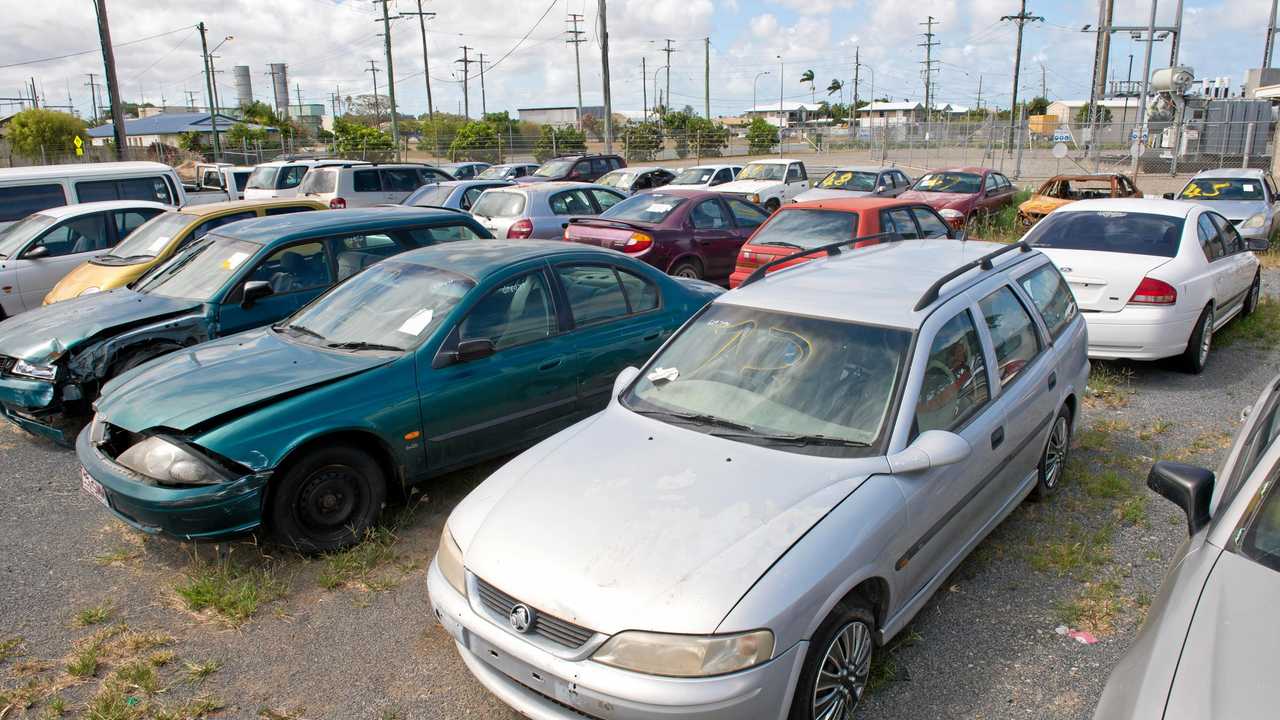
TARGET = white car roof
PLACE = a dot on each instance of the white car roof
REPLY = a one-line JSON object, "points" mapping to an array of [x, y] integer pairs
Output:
{"points": [[774, 161], [66, 211], [877, 285], [1251, 173], [81, 170], [1154, 206]]}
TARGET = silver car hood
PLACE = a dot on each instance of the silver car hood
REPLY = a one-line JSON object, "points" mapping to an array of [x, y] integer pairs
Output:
{"points": [[824, 194], [1234, 209], [625, 522], [1227, 667]]}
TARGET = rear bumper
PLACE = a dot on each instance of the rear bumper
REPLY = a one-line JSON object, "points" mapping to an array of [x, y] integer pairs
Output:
{"points": [[1139, 333]]}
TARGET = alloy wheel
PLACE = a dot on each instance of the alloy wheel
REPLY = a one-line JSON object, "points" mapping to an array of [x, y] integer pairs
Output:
{"points": [[1206, 338], [687, 272], [842, 678], [1056, 453]]}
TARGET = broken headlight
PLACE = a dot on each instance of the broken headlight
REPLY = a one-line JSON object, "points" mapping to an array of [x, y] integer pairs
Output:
{"points": [[169, 463], [32, 370]]}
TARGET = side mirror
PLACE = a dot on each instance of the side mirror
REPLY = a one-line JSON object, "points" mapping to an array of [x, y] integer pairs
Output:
{"points": [[933, 448], [36, 252], [624, 379], [1169, 196], [1259, 244], [1188, 486], [880, 189], [255, 290], [469, 350]]}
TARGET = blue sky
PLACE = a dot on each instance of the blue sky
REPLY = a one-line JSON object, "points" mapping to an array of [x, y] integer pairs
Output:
{"points": [[328, 43]]}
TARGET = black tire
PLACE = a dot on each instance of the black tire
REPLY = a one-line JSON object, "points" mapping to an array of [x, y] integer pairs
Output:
{"points": [[1053, 460], [1255, 294], [847, 686], [134, 358], [772, 205], [326, 500], [690, 268], [1196, 356]]}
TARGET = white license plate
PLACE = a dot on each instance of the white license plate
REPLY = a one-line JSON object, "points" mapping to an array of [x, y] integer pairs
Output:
{"points": [[93, 487]]}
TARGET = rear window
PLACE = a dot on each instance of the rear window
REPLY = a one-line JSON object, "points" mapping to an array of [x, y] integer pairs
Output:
{"points": [[1223, 189], [499, 204], [150, 188], [319, 181], [804, 229], [1108, 231], [647, 208], [19, 202], [263, 178]]}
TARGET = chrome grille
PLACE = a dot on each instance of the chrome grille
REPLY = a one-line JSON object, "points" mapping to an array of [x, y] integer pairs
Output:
{"points": [[552, 628]]}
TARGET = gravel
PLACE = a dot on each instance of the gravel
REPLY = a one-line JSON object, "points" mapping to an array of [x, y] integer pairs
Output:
{"points": [[984, 647]]}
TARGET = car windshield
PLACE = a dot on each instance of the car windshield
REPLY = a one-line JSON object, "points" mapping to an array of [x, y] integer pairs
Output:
{"points": [[647, 208], [798, 383], [554, 168], [804, 229], [763, 171], [1202, 189], [849, 180], [1109, 231], [319, 181], [497, 203], [494, 172], [693, 176], [391, 306], [949, 182], [618, 178], [429, 195], [263, 177], [150, 239], [20, 233], [201, 270]]}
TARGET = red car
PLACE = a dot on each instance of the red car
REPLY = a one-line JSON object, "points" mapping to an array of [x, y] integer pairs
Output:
{"points": [[959, 194], [805, 225], [686, 233]]}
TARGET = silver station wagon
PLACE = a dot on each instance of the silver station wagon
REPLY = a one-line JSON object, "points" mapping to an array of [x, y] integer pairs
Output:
{"points": [[775, 494]]}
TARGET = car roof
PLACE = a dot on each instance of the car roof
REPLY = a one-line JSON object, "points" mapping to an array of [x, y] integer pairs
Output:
{"points": [[862, 168], [695, 192], [773, 161], [976, 170], [278, 229], [552, 186], [470, 183], [878, 285], [478, 259], [1154, 206], [66, 211], [81, 170], [1230, 173], [227, 205], [853, 204]]}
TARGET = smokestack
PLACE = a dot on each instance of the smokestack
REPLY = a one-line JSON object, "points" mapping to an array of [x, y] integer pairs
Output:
{"points": [[280, 87], [244, 85]]}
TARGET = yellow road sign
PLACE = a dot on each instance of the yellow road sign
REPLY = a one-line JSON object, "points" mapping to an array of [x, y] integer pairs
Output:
{"points": [[79, 146]]}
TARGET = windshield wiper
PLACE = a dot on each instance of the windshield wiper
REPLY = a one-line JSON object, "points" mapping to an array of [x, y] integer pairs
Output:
{"points": [[797, 439], [127, 257], [696, 418], [781, 243], [361, 345], [300, 330]]}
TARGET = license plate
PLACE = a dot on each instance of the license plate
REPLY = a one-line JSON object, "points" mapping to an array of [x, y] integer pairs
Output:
{"points": [[93, 487]]}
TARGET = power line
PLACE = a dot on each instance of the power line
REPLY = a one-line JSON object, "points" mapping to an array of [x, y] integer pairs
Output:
{"points": [[1021, 19], [89, 52]]}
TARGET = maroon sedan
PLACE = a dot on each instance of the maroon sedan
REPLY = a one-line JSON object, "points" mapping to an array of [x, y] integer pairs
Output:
{"points": [[686, 233], [960, 194]]}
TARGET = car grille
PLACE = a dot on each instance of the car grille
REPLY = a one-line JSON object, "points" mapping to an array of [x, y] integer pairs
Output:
{"points": [[554, 629]]}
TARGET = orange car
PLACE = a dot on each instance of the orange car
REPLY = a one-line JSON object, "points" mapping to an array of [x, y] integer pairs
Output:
{"points": [[1063, 189], [805, 225]]}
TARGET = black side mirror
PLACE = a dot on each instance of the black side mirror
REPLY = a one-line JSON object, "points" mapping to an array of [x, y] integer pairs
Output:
{"points": [[1259, 244], [469, 350], [36, 252], [255, 290], [1188, 486], [1169, 196]]}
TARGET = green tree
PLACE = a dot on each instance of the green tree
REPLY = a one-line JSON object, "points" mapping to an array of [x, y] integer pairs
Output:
{"points": [[1038, 106], [643, 140], [553, 141], [352, 138], [677, 126], [30, 131], [762, 137], [475, 141], [1084, 114], [807, 77], [707, 138], [242, 134], [593, 126], [192, 142]]}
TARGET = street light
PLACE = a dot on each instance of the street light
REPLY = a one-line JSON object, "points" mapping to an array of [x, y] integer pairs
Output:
{"points": [[782, 81], [753, 87], [214, 78], [666, 102]]}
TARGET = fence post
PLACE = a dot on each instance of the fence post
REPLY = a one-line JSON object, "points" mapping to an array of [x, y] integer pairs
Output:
{"points": [[697, 146], [43, 159], [1022, 136], [554, 151], [1248, 145]]}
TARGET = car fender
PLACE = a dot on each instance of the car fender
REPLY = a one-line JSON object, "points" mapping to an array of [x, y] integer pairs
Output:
{"points": [[94, 361], [684, 255]]}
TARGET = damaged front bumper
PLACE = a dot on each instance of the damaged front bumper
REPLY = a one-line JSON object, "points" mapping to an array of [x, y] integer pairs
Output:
{"points": [[207, 512], [37, 406]]}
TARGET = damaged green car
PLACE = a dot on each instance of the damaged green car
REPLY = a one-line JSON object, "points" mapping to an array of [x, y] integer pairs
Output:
{"points": [[54, 359]]}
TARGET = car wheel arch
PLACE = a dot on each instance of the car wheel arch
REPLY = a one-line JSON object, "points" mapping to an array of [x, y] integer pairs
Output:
{"points": [[686, 257], [361, 439]]}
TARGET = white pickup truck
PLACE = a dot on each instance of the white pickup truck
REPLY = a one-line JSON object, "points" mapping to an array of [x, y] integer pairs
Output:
{"points": [[768, 182], [216, 182]]}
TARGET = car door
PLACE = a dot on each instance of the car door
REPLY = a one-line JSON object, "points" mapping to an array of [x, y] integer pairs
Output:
{"points": [[61, 249], [1238, 264], [297, 273], [797, 181], [899, 220], [604, 199], [525, 390], [617, 319], [399, 182], [746, 218], [721, 176], [1273, 201], [715, 236], [930, 222], [1214, 277], [367, 188], [566, 205]]}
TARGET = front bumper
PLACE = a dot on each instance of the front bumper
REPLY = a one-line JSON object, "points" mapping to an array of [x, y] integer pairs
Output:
{"points": [[544, 686], [193, 513], [33, 406], [1139, 333]]}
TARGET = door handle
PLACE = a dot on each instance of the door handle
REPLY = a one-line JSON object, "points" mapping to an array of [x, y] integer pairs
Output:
{"points": [[997, 438], [653, 336], [551, 364], [1053, 380]]}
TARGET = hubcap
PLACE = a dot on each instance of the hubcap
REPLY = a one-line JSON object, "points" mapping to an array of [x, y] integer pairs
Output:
{"points": [[842, 677], [1056, 453], [687, 272], [328, 499], [1206, 337]]}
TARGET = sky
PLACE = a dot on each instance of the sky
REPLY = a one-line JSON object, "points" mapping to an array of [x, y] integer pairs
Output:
{"points": [[328, 44]]}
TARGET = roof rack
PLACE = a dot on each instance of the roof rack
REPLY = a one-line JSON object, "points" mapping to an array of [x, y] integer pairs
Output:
{"points": [[931, 295], [830, 249]]}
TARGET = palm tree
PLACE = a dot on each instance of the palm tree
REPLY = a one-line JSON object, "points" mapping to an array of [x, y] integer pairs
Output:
{"points": [[807, 77], [836, 86]]}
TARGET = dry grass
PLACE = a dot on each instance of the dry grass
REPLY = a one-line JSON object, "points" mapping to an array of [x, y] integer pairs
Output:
{"points": [[1097, 609]]}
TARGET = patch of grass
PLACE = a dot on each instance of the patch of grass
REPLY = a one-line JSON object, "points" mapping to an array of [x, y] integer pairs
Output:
{"points": [[1159, 427], [11, 648], [231, 591], [135, 642], [198, 671], [139, 675], [193, 709], [112, 703], [119, 556], [1262, 326], [266, 713], [22, 697], [1133, 511], [56, 707], [84, 662], [375, 564], [1076, 551], [1108, 385], [95, 615], [885, 665], [1107, 484], [1096, 609], [1002, 226]]}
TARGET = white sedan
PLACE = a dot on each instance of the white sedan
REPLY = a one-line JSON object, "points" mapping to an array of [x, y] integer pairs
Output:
{"points": [[1153, 278]]}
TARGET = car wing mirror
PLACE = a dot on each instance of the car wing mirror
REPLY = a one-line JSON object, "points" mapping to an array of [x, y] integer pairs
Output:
{"points": [[474, 349], [932, 449], [1190, 487], [255, 290], [1169, 196], [881, 188], [1259, 244], [624, 379], [36, 252]]}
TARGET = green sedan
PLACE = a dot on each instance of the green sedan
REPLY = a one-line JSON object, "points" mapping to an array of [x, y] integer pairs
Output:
{"points": [[426, 362]]}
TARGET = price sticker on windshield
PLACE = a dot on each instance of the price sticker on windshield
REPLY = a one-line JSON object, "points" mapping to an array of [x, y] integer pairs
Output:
{"points": [[235, 260], [663, 375], [158, 244], [416, 322], [658, 208]]}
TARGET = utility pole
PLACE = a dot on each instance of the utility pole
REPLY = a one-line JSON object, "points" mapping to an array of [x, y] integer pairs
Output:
{"points": [[484, 108], [93, 95], [1146, 87], [35, 97], [213, 105], [298, 90], [857, 65], [706, 76], [333, 104], [113, 86], [1044, 93], [604, 74], [644, 89], [978, 104], [1021, 19], [929, 44], [1271, 37], [426, 64], [191, 99], [377, 103], [1177, 35], [391, 74], [466, 68], [1101, 63], [782, 74], [666, 97], [576, 38]]}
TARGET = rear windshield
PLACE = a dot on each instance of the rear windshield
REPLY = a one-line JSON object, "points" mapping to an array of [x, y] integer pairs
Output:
{"points": [[647, 208], [949, 182], [618, 178], [1222, 189], [849, 180], [554, 168], [1109, 231], [804, 229], [496, 203], [263, 178], [429, 195], [693, 176], [319, 181]]}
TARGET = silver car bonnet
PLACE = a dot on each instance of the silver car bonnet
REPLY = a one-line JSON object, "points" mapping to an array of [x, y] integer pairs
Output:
{"points": [[1234, 209], [625, 522], [825, 194]]}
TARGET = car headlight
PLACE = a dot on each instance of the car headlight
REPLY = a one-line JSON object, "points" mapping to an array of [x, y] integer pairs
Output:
{"points": [[170, 464], [90, 290], [449, 558], [32, 370], [1256, 221], [951, 214], [754, 197], [685, 655]]}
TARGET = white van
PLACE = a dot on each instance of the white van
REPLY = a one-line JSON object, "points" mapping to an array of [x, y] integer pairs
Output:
{"points": [[26, 190], [281, 178], [350, 185]]}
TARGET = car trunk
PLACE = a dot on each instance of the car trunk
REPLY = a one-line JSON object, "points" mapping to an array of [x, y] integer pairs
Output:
{"points": [[1103, 281], [604, 233]]}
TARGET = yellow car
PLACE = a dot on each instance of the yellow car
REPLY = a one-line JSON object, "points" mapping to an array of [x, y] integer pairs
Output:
{"points": [[159, 238]]}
